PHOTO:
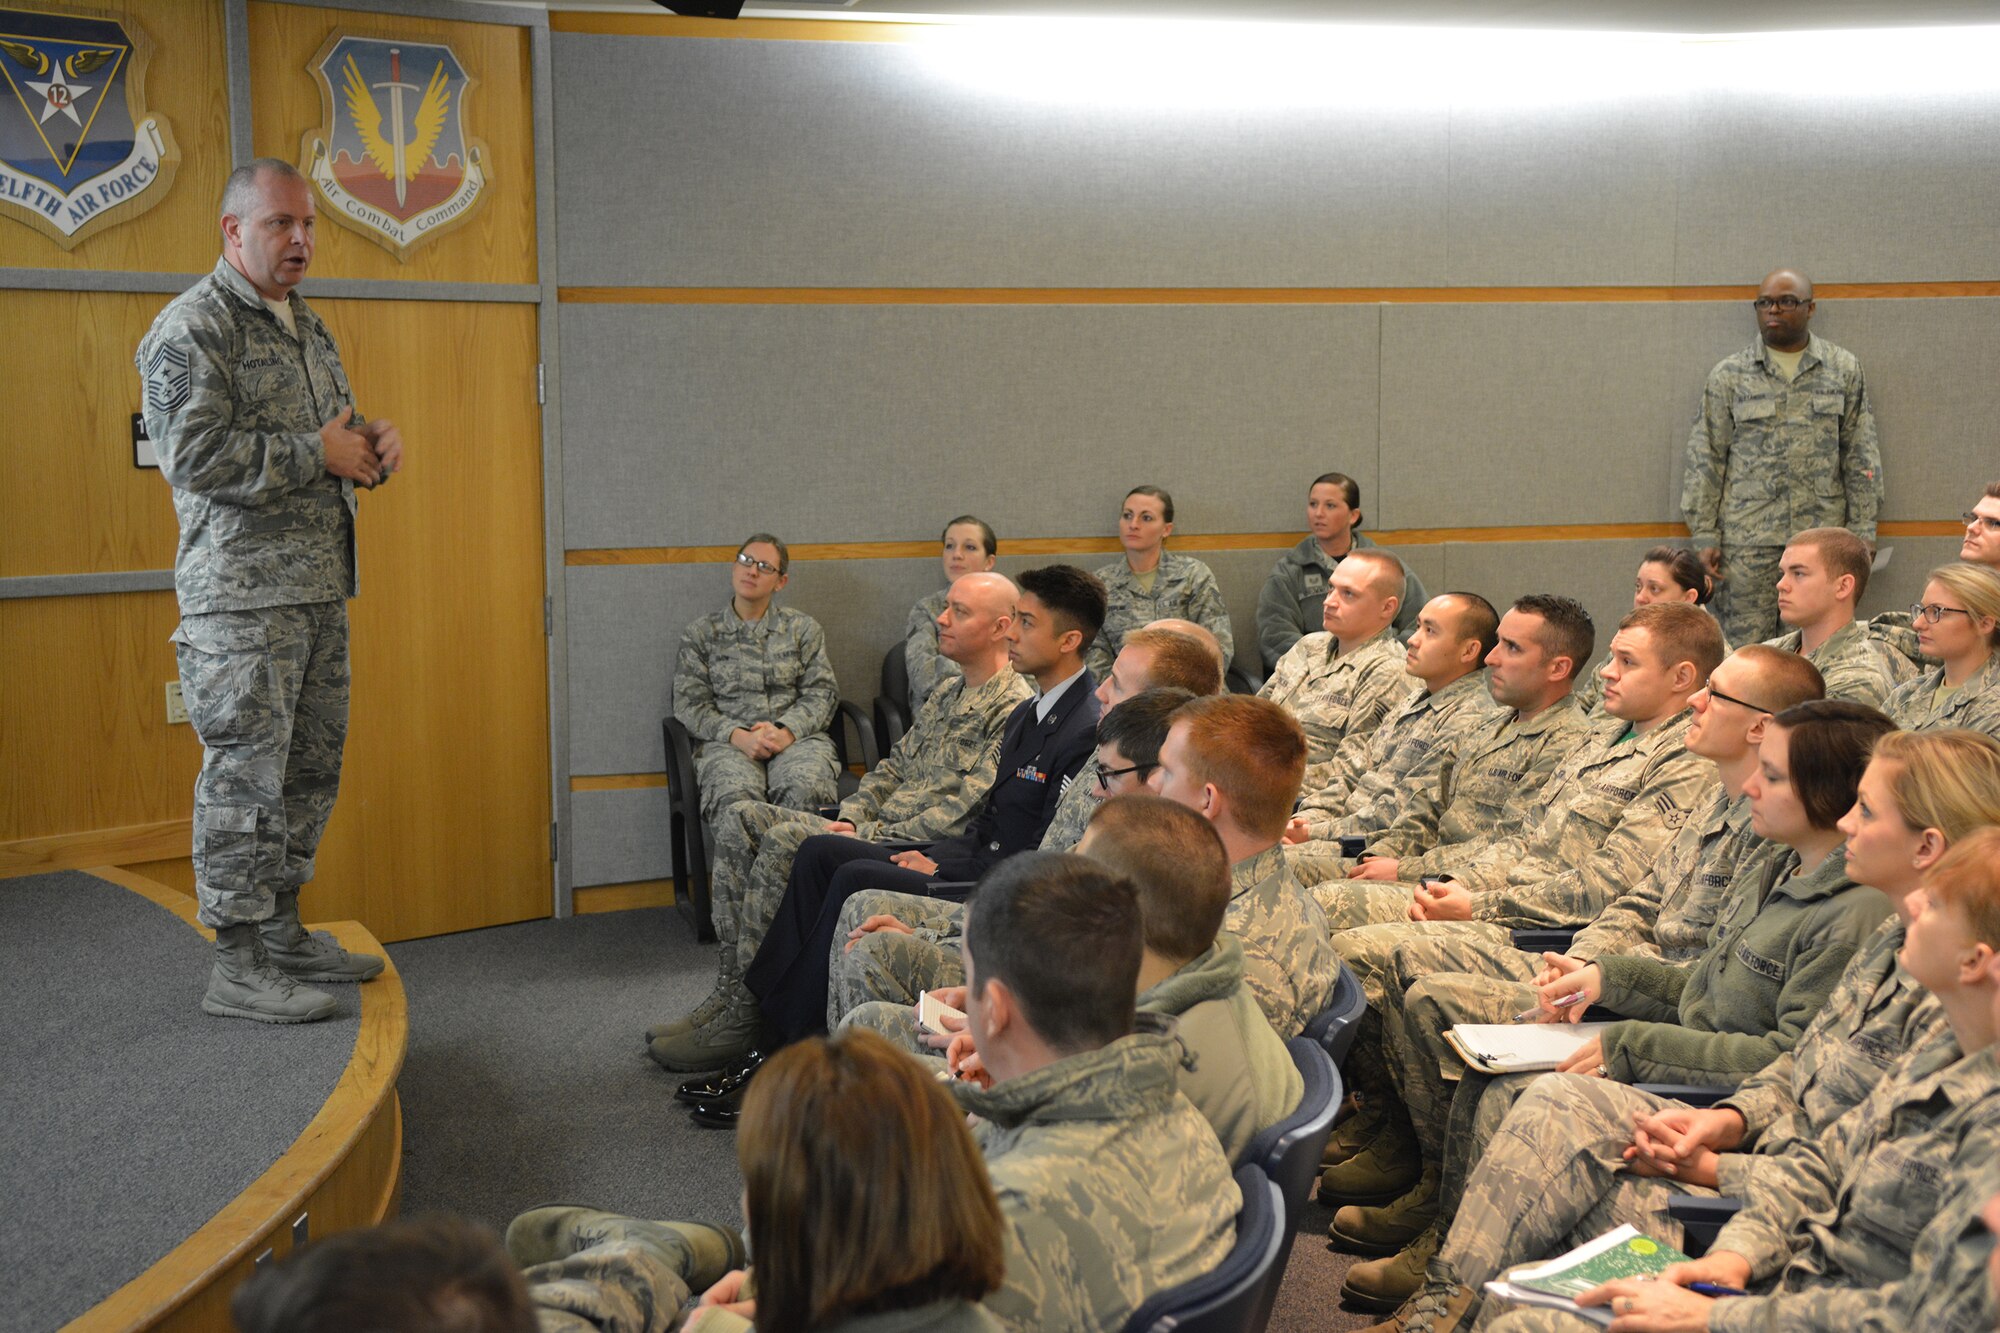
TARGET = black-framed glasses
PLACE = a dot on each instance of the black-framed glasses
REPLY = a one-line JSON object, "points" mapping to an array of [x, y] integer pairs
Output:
{"points": [[1784, 303], [1973, 518], [1932, 612], [1714, 693], [1104, 775], [748, 561]]}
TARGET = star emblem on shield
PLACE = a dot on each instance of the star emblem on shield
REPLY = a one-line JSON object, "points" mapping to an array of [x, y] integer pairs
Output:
{"points": [[392, 159]]}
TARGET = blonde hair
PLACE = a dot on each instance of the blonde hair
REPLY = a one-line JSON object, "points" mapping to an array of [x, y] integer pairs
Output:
{"points": [[1975, 585], [1968, 877], [1947, 780]]}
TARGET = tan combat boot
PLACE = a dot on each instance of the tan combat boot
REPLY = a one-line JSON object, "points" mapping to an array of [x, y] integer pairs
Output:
{"points": [[712, 1004], [304, 956], [1388, 1228], [1387, 1168], [244, 984], [1384, 1284], [723, 1040]]}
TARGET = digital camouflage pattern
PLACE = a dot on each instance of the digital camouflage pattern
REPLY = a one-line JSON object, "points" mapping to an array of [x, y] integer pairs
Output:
{"points": [[1746, 594], [1073, 810], [1293, 600], [267, 692], [1854, 666], [924, 789], [234, 404], [927, 667], [1111, 1185], [1488, 788], [1339, 699], [1287, 962], [1770, 457], [1183, 589], [1407, 753], [1975, 705], [732, 673], [888, 965], [1670, 913]]}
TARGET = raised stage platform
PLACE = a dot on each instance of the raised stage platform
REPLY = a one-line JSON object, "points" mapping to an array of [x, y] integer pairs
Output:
{"points": [[150, 1154]]}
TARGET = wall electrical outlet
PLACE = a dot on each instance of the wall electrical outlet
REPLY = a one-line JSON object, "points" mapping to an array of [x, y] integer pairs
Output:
{"points": [[176, 710]]}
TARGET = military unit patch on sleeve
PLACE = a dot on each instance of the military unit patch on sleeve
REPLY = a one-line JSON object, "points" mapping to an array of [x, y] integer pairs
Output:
{"points": [[168, 384]]}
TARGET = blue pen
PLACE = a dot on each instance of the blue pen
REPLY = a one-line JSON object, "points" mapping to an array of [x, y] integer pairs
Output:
{"points": [[1716, 1289]]}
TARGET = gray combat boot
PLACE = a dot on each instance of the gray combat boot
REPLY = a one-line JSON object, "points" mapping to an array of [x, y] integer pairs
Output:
{"points": [[304, 956], [702, 1254], [727, 1037], [712, 1004], [244, 984]]}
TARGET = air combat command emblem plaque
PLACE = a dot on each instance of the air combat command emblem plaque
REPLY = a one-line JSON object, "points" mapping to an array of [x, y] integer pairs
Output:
{"points": [[391, 158], [78, 150]]}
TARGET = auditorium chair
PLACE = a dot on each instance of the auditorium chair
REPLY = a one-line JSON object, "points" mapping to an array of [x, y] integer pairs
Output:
{"points": [[892, 705], [1336, 1026], [1289, 1152], [1242, 677], [1702, 1219], [688, 840], [1237, 1295], [1544, 941]]}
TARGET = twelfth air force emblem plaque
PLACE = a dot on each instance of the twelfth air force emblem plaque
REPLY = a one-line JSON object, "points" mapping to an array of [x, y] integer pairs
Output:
{"points": [[78, 150], [392, 159]]}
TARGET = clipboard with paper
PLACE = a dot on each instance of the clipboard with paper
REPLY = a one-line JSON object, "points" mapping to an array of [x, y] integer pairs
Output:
{"points": [[1518, 1048]]}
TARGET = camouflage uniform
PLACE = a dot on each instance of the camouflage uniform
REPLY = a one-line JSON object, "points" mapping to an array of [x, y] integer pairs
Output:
{"points": [[1287, 963], [1895, 637], [234, 404], [1854, 666], [924, 789], [1340, 699], [1446, 978], [1551, 1175], [622, 1283], [927, 667], [1073, 810], [1406, 753], [1111, 1185], [1915, 705], [1183, 589], [731, 673], [1770, 457], [1293, 599]]}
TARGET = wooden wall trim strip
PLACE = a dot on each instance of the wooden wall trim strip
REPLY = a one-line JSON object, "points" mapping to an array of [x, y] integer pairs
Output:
{"points": [[1214, 541], [830, 29], [97, 847], [1868, 291], [86, 585], [592, 898], [616, 781]]}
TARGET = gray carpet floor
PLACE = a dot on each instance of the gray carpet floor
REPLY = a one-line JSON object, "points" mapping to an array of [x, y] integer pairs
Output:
{"points": [[527, 1082], [127, 1116]]}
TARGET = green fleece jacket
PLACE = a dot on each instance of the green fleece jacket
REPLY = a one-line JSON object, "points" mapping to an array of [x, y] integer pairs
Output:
{"points": [[1781, 943], [1236, 1071]]}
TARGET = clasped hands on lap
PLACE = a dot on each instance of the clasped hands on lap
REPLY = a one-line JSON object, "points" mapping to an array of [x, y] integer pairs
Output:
{"points": [[762, 740]]}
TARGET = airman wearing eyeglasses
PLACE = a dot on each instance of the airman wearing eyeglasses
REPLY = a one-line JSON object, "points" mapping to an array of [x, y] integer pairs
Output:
{"points": [[1785, 441], [754, 687], [1958, 626]]}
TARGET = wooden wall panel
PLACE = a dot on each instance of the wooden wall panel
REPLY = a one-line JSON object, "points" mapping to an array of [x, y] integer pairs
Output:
{"points": [[185, 81], [442, 822], [498, 244], [71, 502], [84, 741]]}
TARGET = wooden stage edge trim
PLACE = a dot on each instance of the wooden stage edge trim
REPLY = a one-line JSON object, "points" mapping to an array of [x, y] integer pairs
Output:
{"points": [[1219, 541], [99, 847], [343, 1171], [1832, 291]]}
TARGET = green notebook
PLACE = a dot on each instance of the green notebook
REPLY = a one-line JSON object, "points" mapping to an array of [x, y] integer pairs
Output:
{"points": [[1621, 1253]]}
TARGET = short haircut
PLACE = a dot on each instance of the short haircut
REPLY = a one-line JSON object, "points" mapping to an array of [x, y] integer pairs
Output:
{"points": [[1157, 493], [986, 535], [1063, 933], [1948, 780], [239, 192], [1993, 490], [1477, 620], [1967, 877], [1350, 489], [1975, 585], [1567, 629], [434, 1274], [1841, 552], [1390, 577], [1074, 598], [863, 1188], [1783, 679], [1679, 633], [1138, 725], [1179, 660], [1685, 568], [1254, 753], [784, 551], [1175, 860], [1826, 751]]}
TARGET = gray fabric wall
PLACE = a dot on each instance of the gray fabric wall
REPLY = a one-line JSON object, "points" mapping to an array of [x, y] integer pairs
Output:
{"points": [[738, 163]]}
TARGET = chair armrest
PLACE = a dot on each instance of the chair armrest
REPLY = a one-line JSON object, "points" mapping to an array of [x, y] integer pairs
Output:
{"points": [[864, 731], [1686, 1208], [952, 890], [1543, 941], [1693, 1094]]}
